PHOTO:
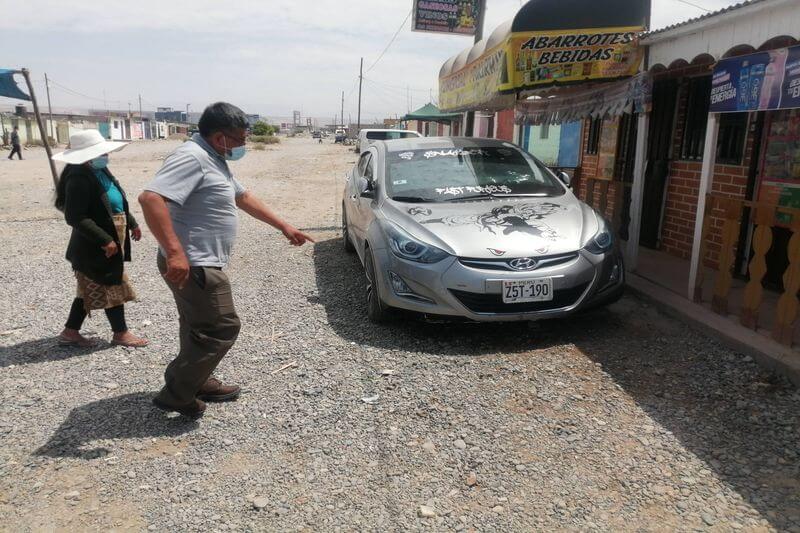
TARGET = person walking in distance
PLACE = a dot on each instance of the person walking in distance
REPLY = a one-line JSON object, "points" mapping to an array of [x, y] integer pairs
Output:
{"points": [[191, 207], [16, 148]]}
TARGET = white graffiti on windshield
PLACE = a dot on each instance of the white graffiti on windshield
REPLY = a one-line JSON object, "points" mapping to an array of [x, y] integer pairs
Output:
{"points": [[453, 153], [486, 189]]}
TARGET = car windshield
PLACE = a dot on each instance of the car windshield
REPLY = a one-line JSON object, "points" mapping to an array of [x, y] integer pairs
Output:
{"points": [[445, 174], [388, 135]]}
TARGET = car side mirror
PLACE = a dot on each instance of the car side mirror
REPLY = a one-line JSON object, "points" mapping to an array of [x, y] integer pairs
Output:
{"points": [[565, 178], [365, 188]]}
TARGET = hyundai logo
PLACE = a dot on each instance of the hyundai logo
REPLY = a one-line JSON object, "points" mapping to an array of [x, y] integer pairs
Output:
{"points": [[523, 263]]}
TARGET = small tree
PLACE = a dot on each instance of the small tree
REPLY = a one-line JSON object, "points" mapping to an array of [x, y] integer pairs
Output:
{"points": [[262, 128]]}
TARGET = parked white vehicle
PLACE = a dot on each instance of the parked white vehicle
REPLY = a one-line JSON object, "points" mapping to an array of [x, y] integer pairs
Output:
{"points": [[367, 137]]}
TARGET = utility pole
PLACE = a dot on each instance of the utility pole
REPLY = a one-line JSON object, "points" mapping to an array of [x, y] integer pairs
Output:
{"points": [[342, 115], [360, 80], [49, 107]]}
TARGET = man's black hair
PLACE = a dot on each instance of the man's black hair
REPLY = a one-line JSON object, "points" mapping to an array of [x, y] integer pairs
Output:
{"points": [[221, 116]]}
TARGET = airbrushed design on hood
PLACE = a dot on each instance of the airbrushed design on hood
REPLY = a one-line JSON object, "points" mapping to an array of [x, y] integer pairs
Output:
{"points": [[416, 211], [522, 218]]}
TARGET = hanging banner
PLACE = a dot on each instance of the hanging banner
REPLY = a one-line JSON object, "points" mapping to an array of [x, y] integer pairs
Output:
{"points": [[446, 16], [475, 84], [757, 82], [568, 56], [8, 87]]}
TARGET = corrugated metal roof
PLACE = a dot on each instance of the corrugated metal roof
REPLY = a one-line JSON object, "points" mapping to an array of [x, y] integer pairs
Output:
{"points": [[724, 10]]}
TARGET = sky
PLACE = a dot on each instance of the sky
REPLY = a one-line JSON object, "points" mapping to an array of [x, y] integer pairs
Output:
{"points": [[269, 57]]}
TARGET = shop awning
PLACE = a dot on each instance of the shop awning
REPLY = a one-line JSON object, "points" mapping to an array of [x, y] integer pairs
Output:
{"points": [[431, 113], [548, 43], [554, 106]]}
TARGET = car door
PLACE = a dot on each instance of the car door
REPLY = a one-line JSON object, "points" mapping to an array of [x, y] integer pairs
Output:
{"points": [[355, 211]]}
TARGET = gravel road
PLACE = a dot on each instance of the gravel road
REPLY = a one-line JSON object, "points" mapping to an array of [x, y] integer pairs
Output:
{"points": [[619, 420]]}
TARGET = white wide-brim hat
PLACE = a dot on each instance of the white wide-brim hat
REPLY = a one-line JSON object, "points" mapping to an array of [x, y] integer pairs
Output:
{"points": [[87, 145]]}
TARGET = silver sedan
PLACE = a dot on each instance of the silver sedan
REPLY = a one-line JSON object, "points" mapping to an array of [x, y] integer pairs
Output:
{"points": [[476, 229]]}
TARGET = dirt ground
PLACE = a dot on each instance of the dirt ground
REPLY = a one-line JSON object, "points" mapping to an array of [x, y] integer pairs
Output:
{"points": [[619, 420]]}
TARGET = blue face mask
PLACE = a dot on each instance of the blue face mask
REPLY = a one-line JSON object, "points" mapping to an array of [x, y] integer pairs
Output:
{"points": [[234, 154], [99, 163]]}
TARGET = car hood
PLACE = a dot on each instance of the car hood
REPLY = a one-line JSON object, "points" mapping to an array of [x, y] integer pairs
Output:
{"points": [[503, 227]]}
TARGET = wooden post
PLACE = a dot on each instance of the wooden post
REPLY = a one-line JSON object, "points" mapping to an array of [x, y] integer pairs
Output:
{"points": [[706, 176], [730, 233], [637, 192], [762, 242], [36, 112], [698, 284], [788, 304]]}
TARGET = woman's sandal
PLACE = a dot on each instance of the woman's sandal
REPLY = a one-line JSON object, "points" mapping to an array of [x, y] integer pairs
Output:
{"points": [[83, 342], [138, 343]]}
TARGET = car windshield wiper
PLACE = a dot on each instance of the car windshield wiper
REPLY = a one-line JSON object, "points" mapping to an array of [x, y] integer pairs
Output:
{"points": [[528, 195], [473, 197], [411, 199]]}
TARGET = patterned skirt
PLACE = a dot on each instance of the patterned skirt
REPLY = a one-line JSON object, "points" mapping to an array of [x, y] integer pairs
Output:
{"points": [[97, 296]]}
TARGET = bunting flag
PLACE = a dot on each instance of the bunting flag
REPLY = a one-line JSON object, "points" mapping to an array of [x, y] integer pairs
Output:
{"points": [[8, 87]]}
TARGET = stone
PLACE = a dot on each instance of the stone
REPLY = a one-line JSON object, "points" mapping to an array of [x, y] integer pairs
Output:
{"points": [[460, 444], [260, 503], [708, 519], [472, 479], [498, 509], [72, 495], [428, 446], [426, 511]]}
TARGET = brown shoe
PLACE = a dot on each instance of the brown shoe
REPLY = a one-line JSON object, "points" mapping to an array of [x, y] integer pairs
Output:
{"points": [[193, 410], [214, 391]]}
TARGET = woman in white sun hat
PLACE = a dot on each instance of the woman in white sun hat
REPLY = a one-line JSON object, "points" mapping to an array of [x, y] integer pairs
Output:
{"points": [[95, 206]]}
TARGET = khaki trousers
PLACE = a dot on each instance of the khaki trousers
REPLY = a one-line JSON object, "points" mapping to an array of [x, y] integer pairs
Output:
{"points": [[209, 326]]}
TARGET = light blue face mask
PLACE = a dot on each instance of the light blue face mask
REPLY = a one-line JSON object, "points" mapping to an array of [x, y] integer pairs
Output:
{"points": [[235, 153], [99, 163]]}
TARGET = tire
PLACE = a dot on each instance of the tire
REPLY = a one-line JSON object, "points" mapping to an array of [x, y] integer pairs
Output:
{"points": [[348, 244], [377, 311]]}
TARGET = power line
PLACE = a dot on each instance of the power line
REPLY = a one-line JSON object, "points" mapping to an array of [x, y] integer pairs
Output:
{"points": [[404, 89], [392, 40], [701, 8]]}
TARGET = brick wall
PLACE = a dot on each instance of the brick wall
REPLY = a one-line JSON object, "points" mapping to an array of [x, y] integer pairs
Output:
{"points": [[683, 183], [505, 125]]}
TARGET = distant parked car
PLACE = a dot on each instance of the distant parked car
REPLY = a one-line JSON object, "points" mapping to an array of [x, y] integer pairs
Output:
{"points": [[316, 135], [476, 229], [367, 137]]}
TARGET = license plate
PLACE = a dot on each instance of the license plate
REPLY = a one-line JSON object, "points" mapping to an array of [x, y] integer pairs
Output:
{"points": [[529, 290]]}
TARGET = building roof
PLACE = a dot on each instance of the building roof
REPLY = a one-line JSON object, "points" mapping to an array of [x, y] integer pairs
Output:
{"points": [[711, 14]]}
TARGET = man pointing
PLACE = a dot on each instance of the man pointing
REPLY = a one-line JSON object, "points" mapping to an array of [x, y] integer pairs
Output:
{"points": [[191, 207]]}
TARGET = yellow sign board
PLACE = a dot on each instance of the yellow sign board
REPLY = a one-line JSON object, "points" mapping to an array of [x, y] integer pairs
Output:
{"points": [[531, 60]]}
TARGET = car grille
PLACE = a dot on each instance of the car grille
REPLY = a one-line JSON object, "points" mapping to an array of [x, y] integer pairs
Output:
{"points": [[493, 303], [502, 264]]}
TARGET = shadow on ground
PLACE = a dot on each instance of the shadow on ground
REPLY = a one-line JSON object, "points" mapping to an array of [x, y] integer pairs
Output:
{"points": [[122, 417], [741, 421], [42, 351]]}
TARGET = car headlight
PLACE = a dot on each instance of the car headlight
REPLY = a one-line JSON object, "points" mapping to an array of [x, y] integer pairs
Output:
{"points": [[407, 247], [603, 240]]}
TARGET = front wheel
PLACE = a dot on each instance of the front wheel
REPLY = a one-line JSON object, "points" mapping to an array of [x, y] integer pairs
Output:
{"points": [[348, 244], [377, 311]]}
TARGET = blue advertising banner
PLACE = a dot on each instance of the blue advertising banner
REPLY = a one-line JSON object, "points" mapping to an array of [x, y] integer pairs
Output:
{"points": [[757, 82]]}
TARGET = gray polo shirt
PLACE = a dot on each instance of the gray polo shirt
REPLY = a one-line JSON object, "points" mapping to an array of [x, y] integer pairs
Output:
{"points": [[202, 196]]}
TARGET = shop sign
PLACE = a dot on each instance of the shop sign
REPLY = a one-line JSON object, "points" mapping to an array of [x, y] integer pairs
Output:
{"points": [[446, 16], [757, 82], [529, 60], [548, 58], [477, 83]]}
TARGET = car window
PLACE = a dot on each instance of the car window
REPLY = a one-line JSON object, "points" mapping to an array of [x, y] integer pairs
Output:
{"points": [[449, 173], [389, 135], [369, 173], [362, 163]]}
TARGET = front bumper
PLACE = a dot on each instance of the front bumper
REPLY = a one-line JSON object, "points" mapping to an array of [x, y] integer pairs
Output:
{"points": [[472, 291]]}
